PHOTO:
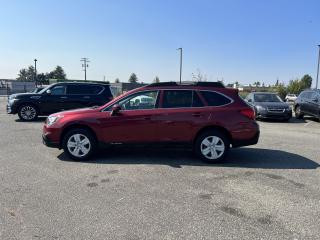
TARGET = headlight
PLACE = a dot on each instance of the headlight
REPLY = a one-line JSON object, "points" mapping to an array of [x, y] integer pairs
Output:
{"points": [[260, 108], [52, 119], [12, 96], [11, 101]]}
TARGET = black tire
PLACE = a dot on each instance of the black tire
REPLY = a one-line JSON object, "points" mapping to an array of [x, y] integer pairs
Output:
{"points": [[28, 112], [297, 112], [199, 146], [83, 133]]}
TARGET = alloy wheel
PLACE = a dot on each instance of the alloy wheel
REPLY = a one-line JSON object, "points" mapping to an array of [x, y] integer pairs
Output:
{"points": [[28, 112], [212, 147], [78, 145]]}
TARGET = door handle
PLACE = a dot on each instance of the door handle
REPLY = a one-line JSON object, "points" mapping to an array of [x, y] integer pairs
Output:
{"points": [[196, 114], [86, 97], [63, 97]]}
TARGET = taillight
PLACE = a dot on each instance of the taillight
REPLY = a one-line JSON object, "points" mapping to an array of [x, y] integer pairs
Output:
{"points": [[249, 113]]}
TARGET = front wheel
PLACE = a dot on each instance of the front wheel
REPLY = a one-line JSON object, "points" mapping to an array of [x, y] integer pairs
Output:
{"points": [[298, 113], [79, 144], [28, 112], [212, 146]]}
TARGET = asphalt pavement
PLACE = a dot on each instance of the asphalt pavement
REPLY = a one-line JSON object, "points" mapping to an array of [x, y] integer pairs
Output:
{"points": [[267, 191]]}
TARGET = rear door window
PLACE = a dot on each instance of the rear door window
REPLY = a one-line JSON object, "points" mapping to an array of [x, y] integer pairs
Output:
{"points": [[181, 99], [196, 100], [215, 99], [84, 89]]}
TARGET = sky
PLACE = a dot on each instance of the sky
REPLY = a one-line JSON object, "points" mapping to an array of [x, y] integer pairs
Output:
{"points": [[233, 40]]}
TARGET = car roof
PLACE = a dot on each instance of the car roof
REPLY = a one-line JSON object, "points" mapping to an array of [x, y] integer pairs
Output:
{"points": [[264, 93], [82, 83], [187, 84]]}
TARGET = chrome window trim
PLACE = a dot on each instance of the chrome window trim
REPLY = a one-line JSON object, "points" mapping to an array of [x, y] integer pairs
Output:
{"points": [[196, 90]]}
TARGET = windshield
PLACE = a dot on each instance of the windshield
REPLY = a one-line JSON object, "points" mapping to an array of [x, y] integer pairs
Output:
{"points": [[265, 97], [44, 90]]}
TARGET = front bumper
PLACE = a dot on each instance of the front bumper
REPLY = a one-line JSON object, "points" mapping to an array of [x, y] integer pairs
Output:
{"points": [[46, 141], [11, 109], [51, 137], [274, 115]]}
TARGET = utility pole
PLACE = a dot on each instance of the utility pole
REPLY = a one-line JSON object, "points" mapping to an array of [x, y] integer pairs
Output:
{"points": [[35, 71], [180, 62], [318, 69], [85, 64]]}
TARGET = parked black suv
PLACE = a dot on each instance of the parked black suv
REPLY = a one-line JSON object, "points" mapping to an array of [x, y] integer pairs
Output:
{"points": [[58, 97], [308, 103]]}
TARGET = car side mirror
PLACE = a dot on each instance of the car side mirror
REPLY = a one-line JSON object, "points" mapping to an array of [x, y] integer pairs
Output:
{"points": [[48, 92], [115, 110], [250, 100]]}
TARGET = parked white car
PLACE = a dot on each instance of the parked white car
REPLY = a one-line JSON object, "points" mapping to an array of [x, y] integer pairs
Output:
{"points": [[291, 97]]}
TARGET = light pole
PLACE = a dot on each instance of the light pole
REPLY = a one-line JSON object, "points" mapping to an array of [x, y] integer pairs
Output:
{"points": [[84, 66], [317, 81], [180, 62], [35, 71]]}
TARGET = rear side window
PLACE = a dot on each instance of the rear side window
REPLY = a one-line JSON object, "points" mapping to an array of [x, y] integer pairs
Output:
{"points": [[181, 99], [84, 89], [214, 98]]}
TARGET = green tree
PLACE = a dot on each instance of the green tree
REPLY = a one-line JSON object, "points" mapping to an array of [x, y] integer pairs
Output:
{"points": [[256, 84], [133, 78], [26, 74], [42, 78], [306, 82], [57, 73], [156, 80], [281, 90], [117, 80]]}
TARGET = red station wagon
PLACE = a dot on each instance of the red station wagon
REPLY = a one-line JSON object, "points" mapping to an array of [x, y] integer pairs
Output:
{"points": [[205, 115]]}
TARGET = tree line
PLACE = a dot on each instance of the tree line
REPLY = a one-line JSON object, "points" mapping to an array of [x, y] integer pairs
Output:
{"points": [[29, 75], [295, 86]]}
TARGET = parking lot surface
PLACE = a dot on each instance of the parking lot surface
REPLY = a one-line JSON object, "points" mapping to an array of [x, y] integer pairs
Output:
{"points": [[267, 191]]}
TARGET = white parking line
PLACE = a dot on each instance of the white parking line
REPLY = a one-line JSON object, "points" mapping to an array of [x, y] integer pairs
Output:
{"points": [[307, 124]]}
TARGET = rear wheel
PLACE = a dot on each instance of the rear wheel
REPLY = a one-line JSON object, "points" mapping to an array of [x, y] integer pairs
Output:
{"points": [[212, 146], [28, 112], [79, 144], [298, 113]]}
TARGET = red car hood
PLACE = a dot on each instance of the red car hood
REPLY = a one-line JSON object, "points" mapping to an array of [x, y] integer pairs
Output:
{"points": [[79, 111]]}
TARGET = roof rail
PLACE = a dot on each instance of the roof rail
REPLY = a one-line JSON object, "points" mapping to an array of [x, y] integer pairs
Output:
{"points": [[201, 84]]}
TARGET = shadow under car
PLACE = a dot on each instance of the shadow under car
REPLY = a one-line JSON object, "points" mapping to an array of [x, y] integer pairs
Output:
{"points": [[237, 157]]}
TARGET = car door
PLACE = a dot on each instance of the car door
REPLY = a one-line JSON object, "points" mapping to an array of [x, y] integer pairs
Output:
{"points": [[180, 112], [314, 104], [80, 95], [54, 100], [134, 123], [305, 102]]}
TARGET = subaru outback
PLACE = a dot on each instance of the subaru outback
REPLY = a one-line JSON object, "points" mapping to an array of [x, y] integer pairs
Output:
{"points": [[205, 116]]}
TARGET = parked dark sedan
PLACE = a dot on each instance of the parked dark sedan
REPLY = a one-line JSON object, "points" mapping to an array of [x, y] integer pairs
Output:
{"points": [[308, 103], [269, 106]]}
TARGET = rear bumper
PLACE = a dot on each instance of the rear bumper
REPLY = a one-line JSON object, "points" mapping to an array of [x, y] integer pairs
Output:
{"points": [[247, 142]]}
